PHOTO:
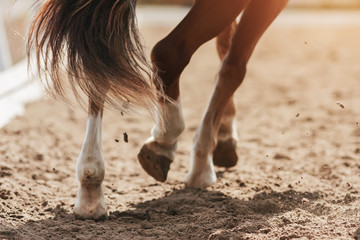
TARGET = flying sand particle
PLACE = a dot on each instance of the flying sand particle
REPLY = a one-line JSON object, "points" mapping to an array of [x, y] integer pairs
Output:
{"points": [[340, 104], [126, 138], [305, 200]]}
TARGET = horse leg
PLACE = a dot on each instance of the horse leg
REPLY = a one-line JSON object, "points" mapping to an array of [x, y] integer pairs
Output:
{"points": [[256, 18], [205, 20], [90, 170], [225, 154]]}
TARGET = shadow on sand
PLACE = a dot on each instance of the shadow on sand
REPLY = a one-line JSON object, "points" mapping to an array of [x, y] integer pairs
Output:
{"points": [[182, 214]]}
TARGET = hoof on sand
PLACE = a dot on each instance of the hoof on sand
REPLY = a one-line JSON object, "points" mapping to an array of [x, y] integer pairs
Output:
{"points": [[200, 180], [97, 215], [98, 218]]}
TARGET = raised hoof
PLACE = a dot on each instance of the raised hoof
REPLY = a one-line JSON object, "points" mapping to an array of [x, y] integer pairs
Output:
{"points": [[154, 164], [224, 154]]}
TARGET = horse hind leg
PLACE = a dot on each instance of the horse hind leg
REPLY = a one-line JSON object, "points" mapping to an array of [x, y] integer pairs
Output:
{"points": [[225, 154], [169, 56], [90, 170], [158, 151]]}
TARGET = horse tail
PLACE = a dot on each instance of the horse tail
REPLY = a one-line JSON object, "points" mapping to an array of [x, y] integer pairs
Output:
{"points": [[96, 44]]}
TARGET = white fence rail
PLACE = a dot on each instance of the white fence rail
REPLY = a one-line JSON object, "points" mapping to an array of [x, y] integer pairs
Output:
{"points": [[16, 89], [5, 57]]}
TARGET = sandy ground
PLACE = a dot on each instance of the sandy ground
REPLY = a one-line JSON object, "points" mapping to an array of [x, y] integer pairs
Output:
{"points": [[299, 171]]}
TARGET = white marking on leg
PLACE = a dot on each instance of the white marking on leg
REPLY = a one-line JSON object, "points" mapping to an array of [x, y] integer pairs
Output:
{"points": [[202, 173], [90, 171], [165, 135], [173, 124], [228, 123]]}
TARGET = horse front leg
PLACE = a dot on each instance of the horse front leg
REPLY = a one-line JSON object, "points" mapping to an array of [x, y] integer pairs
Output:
{"points": [[225, 154], [256, 18], [90, 170], [205, 20], [202, 173]]}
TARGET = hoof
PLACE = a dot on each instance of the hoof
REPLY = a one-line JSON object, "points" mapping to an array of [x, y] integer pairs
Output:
{"points": [[224, 154], [90, 203], [200, 180], [102, 217], [201, 173], [97, 213], [154, 164]]}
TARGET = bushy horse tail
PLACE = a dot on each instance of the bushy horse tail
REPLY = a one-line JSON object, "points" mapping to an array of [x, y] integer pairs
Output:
{"points": [[96, 44]]}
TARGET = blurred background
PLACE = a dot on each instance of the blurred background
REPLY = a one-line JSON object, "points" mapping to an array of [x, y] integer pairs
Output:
{"points": [[292, 3], [15, 16]]}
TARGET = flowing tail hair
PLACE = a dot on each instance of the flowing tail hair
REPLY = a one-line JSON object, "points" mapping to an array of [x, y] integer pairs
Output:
{"points": [[96, 44]]}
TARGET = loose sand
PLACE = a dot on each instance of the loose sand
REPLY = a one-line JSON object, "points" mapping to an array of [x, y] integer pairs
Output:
{"points": [[298, 176]]}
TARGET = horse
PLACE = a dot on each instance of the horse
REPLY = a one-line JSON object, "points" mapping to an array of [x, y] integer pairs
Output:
{"points": [[97, 45]]}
